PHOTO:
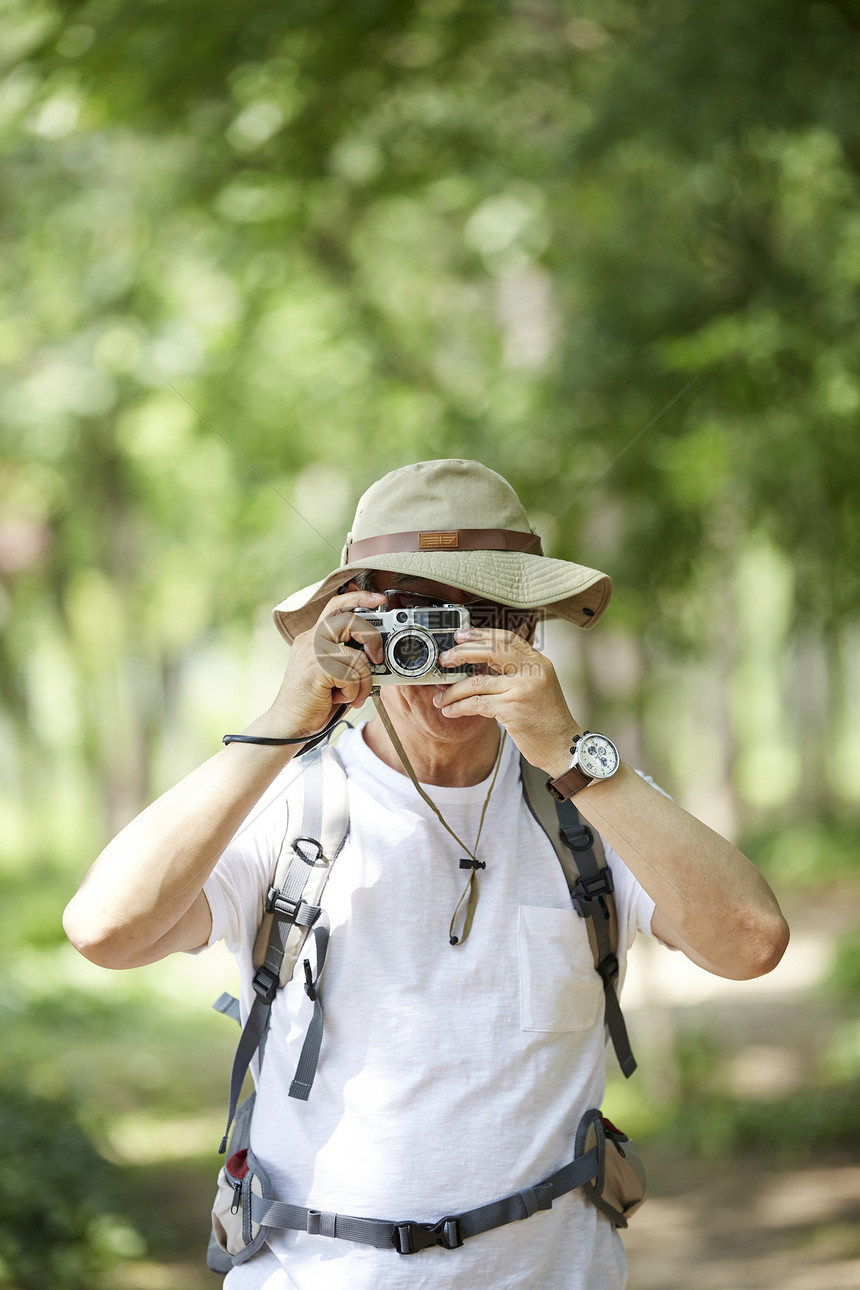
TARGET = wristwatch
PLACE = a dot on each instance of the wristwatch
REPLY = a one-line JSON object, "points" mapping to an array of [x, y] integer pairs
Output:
{"points": [[594, 757]]}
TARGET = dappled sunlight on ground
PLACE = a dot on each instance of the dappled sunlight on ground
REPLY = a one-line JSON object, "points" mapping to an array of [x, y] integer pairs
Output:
{"points": [[739, 1225], [160, 1276], [749, 1222]]}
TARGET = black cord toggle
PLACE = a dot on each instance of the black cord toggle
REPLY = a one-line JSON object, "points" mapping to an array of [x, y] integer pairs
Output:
{"points": [[473, 864], [310, 989]]}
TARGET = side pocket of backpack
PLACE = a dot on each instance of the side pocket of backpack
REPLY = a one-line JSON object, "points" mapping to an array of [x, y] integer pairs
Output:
{"points": [[236, 1235], [620, 1187]]}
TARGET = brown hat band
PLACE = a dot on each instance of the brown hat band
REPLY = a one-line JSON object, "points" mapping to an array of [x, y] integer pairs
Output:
{"points": [[444, 540]]}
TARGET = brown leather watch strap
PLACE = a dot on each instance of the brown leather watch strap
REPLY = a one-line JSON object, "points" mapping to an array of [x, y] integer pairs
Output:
{"points": [[568, 784], [444, 540]]}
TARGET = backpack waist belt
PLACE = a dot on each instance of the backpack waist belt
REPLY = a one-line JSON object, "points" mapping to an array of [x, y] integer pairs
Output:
{"points": [[410, 1237]]}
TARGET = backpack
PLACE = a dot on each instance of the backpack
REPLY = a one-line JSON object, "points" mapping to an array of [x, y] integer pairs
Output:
{"points": [[317, 801]]}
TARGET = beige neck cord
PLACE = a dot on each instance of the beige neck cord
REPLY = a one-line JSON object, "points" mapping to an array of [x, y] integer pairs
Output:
{"points": [[471, 888]]}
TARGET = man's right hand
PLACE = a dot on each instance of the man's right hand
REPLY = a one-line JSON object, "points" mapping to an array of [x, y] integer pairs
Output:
{"points": [[143, 897], [325, 670]]}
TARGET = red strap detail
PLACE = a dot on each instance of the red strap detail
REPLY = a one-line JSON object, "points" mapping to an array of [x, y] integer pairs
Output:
{"points": [[610, 1128], [237, 1165]]}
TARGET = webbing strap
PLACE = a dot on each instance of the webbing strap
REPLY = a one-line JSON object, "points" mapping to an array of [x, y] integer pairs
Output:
{"points": [[249, 1042], [409, 1237], [266, 985], [228, 1004], [589, 896], [309, 1058], [288, 910], [591, 890]]}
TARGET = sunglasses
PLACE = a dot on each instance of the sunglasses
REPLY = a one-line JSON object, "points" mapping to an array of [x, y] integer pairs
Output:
{"points": [[482, 613]]}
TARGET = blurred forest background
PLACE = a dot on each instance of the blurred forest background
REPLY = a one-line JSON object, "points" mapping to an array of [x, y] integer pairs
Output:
{"points": [[254, 255]]}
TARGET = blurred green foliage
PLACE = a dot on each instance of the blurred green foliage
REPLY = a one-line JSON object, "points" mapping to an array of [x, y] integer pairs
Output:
{"points": [[845, 973], [61, 1218], [343, 238], [809, 854], [711, 1121], [708, 1119], [112, 1100]]}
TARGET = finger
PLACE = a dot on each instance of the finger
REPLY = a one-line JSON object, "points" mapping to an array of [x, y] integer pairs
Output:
{"points": [[345, 696], [501, 650], [352, 627], [344, 669], [350, 677], [474, 705], [490, 638], [485, 683], [365, 686], [353, 600], [343, 606], [344, 627]]}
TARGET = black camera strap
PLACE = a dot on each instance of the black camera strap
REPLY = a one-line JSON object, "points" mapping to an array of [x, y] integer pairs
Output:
{"points": [[310, 741]]}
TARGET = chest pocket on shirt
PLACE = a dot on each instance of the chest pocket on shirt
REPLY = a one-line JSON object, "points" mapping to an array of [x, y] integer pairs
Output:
{"points": [[559, 988]]}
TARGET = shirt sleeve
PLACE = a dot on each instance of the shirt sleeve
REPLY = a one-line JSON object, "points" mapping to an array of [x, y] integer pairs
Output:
{"points": [[635, 907], [237, 886]]}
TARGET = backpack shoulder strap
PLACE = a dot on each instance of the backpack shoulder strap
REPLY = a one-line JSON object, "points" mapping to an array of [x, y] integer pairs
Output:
{"points": [[581, 854], [544, 809], [316, 829]]}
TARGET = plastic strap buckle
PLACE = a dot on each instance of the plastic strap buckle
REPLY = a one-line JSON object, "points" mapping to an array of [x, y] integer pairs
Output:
{"points": [[410, 1238], [277, 902], [587, 891], [266, 983]]}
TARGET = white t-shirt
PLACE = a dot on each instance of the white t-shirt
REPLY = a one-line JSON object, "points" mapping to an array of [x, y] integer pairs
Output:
{"points": [[449, 1077]]}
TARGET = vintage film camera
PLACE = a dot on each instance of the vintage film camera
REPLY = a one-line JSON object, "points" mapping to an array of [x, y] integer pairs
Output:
{"points": [[412, 641]]}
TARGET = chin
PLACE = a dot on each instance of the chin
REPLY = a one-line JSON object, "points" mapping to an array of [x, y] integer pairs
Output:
{"points": [[459, 729], [418, 700]]}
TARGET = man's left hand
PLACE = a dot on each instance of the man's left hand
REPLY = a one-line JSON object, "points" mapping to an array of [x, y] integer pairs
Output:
{"points": [[518, 687]]}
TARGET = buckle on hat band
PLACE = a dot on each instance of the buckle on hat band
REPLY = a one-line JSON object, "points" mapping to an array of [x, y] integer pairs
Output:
{"points": [[444, 540]]}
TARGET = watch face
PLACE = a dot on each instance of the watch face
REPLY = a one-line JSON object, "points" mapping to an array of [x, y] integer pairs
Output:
{"points": [[598, 756]]}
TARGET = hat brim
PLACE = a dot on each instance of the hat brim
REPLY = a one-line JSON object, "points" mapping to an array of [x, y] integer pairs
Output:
{"points": [[558, 587]]}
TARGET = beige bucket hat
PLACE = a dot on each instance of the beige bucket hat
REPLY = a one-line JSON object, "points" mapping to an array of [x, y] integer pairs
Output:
{"points": [[460, 523]]}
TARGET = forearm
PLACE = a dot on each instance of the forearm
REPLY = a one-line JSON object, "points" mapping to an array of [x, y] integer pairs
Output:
{"points": [[711, 900], [137, 903], [147, 878]]}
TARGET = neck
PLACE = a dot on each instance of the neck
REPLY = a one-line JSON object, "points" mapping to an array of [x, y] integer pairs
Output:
{"points": [[448, 764]]}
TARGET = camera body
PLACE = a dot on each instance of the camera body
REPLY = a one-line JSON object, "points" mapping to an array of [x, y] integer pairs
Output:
{"points": [[412, 640]]}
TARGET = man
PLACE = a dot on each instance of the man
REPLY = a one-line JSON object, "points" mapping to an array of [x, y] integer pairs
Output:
{"points": [[464, 1040]]}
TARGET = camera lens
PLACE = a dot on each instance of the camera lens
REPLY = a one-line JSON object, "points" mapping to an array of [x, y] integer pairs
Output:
{"points": [[411, 652]]}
